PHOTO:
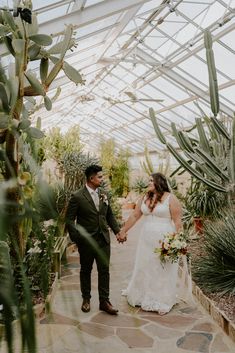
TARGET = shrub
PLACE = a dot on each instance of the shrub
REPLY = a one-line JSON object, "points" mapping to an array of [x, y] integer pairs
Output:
{"points": [[215, 272]]}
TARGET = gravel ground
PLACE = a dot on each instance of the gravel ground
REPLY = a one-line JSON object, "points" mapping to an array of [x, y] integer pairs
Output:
{"points": [[225, 303]]}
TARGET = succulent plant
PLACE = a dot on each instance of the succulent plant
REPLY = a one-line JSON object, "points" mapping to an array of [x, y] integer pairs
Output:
{"points": [[20, 84], [210, 156]]}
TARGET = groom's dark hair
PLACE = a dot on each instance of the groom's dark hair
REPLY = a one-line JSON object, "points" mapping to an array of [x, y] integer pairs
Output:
{"points": [[92, 170]]}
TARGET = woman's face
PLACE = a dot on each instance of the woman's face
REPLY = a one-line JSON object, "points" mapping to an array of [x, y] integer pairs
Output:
{"points": [[151, 186]]}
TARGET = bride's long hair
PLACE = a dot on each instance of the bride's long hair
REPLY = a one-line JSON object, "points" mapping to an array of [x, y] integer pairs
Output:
{"points": [[161, 186]]}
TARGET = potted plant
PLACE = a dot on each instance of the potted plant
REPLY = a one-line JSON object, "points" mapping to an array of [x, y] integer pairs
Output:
{"points": [[202, 202]]}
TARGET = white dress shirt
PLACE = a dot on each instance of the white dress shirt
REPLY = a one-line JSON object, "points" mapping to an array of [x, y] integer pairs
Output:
{"points": [[94, 195]]}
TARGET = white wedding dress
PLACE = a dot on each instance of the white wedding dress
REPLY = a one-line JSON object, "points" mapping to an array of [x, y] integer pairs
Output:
{"points": [[153, 286]]}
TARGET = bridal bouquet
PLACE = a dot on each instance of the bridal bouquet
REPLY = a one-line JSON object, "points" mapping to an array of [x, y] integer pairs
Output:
{"points": [[172, 246]]}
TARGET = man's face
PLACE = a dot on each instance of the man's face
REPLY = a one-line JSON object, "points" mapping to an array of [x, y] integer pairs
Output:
{"points": [[97, 179]]}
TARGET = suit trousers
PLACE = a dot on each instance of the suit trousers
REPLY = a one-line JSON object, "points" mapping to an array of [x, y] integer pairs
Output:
{"points": [[94, 249]]}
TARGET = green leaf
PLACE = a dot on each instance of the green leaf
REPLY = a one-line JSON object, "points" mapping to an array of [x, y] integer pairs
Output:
{"points": [[14, 88], [4, 30], [54, 72], [66, 41], [33, 51], [33, 27], [24, 124], [58, 47], [54, 59], [39, 123], [35, 83], [24, 112], [44, 68], [48, 103], [18, 45], [35, 133], [9, 19], [4, 97], [72, 73], [41, 39], [8, 42], [4, 121]]}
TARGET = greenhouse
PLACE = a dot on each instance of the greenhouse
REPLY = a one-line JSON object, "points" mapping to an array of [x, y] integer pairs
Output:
{"points": [[117, 166]]}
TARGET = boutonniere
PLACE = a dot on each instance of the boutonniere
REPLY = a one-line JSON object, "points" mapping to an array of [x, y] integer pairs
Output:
{"points": [[104, 198]]}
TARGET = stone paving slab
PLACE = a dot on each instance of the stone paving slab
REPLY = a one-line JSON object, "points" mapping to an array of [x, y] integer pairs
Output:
{"points": [[67, 329], [185, 329]]}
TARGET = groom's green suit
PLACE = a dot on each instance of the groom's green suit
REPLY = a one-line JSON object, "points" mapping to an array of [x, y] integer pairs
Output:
{"points": [[96, 245]]}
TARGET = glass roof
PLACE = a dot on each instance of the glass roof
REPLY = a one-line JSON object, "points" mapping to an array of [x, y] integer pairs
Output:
{"points": [[152, 49]]}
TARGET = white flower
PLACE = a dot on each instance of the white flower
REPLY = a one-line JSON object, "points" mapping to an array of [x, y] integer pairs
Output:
{"points": [[166, 246], [104, 198], [176, 244], [183, 244]]}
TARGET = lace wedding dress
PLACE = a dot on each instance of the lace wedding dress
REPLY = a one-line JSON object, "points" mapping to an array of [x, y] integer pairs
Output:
{"points": [[153, 286]]}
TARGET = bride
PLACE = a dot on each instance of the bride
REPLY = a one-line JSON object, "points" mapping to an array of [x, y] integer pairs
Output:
{"points": [[153, 286]]}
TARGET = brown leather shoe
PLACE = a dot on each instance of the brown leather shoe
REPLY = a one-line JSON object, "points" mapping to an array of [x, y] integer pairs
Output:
{"points": [[108, 308], [86, 305]]}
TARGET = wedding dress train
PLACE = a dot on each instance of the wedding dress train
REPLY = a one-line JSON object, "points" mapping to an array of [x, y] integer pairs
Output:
{"points": [[153, 286]]}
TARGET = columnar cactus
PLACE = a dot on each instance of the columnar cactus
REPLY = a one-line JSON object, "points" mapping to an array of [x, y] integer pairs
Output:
{"points": [[210, 157]]}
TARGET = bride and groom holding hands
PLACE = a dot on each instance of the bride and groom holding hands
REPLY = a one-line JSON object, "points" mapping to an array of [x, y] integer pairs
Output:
{"points": [[153, 287]]}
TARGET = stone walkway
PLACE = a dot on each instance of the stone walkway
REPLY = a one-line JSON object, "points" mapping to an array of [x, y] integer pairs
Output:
{"points": [[68, 330]]}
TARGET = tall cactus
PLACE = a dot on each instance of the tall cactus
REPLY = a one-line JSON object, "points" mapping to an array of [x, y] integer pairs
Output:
{"points": [[25, 45], [213, 83], [211, 156]]}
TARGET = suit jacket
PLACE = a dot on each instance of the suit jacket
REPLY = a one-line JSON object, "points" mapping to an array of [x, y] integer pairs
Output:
{"points": [[82, 210]]}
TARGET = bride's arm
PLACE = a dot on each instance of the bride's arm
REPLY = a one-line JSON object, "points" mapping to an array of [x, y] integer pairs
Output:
{"points": [[133, 218], [176, 212]]}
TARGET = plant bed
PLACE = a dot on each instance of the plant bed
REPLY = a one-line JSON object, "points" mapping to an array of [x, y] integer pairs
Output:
{"points": [[220, 307]]}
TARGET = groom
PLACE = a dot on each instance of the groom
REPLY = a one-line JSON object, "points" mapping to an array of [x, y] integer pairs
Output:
{"points": [[91, 210]]}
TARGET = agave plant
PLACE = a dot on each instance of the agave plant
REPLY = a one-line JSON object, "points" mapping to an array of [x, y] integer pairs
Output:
{"points": [[215, 271], [210, 156], [140, 185]]}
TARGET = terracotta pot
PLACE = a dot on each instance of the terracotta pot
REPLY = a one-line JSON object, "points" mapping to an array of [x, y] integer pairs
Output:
{"points": [[198, 224]]}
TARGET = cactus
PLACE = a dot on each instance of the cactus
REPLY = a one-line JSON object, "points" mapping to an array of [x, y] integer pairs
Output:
{"points": [[149, 168], [211, 156], [213, 168], [17, 87], [213, 84]]}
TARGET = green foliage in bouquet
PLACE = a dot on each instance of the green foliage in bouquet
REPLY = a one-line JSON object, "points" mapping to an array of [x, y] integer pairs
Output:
{"points": [[215, 271], [172, 247]]}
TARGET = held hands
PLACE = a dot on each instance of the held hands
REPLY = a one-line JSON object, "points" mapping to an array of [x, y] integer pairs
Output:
{"points": [[121, 236]]}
